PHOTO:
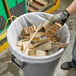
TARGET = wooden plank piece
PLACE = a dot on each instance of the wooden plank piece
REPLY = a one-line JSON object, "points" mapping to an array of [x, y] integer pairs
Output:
{"points": [[49, 45], [32, 9], [36, 5], [40, 53], [42, 2], [52, 29]]}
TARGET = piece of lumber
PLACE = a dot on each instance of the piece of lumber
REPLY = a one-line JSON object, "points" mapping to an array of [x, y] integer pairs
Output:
{"points": [[40, 53], [52, 29], [38, 34], [25, 31], [36, 5], [26, 37], [26, 48], [35, 40], [49, 45], [44, 8], [20, 43], [25, 40], [31, 9], [32, 52], [42, 2], [59, 44], [41, 42], [54, 38], [44, 46], [28, 30]]}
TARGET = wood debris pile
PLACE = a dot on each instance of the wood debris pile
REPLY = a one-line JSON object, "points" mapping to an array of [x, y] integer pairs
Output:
{"points": [[43, 41]]}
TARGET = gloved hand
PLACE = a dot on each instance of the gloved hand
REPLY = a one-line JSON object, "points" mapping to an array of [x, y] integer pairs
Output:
{"points": [[60, 17]]}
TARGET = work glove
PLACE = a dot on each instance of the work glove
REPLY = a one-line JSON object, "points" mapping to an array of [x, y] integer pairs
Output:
{"points": [[60, 17]]}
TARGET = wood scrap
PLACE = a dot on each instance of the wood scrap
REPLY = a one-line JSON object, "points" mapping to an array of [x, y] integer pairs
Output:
{"points": [[20, 48], [25, 40], [32, 52], [59, 44], [44, 46], [26, 37], [24, 46], [49, 45], [34, 39], [20, 43], [38, 34], [41, 42], [35, 27], [28, 30], [52, 29], [36, 5], [54, 38], [41, 2], [40, 53], [45, 7], [25, 31], [30, 9]]}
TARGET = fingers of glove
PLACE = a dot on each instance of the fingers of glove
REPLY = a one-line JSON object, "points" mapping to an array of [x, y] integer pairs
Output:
{"points": [[56, 18], [61, 17]]}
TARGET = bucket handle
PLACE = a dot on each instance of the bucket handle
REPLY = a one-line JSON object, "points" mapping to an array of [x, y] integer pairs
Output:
{"points": [[20, 66]]}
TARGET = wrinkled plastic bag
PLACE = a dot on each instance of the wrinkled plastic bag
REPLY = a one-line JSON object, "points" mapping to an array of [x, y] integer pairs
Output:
{"points": [[26, 20]]}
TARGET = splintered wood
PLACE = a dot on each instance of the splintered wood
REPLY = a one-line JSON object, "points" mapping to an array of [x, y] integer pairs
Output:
{"points": [[42, 40]]}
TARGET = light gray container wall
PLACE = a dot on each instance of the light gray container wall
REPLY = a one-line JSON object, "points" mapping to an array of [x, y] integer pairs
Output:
{"points": [[43, 69]]}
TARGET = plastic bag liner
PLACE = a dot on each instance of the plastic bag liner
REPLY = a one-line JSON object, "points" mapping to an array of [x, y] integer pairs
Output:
{"points": [[26, 20]]}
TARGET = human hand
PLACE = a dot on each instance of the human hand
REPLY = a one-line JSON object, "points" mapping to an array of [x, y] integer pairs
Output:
{"points": [[60, 17]]}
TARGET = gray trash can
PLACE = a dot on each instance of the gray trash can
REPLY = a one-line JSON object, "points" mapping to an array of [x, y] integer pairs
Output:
{"points": [[35, 66]]}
